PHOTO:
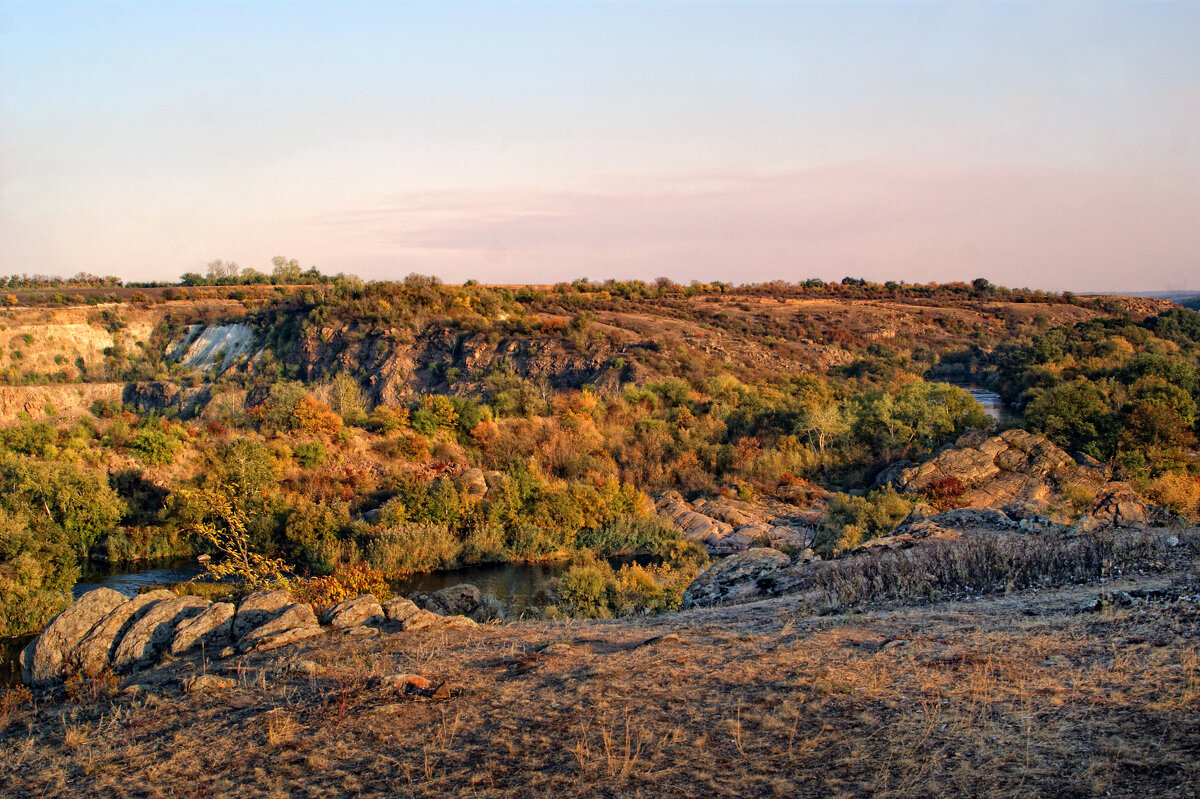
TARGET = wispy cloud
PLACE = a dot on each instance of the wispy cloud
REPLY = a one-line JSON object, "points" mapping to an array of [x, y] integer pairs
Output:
{"points": [[1019, 225]]}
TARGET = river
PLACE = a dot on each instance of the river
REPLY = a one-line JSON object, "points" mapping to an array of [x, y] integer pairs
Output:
{"points": [[990, 400]]}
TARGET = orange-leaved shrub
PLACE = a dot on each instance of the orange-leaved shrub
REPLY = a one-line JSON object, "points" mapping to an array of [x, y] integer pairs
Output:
{"points": [[347, 583]]}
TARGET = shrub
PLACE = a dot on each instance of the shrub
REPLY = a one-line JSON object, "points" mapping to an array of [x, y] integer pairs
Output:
{"points": [[584, 590], [310, 454], [628, 534], [847, 520], [314, 417], [347, 583], [403, 549], [154, 447], [1178, 492], [386, 419]]}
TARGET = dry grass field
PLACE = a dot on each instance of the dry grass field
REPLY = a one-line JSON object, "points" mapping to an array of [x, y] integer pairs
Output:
{"points": [[1010, 695]]}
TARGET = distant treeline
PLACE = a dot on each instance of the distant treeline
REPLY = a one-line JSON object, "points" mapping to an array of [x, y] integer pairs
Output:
{"points": [[289, 272]]}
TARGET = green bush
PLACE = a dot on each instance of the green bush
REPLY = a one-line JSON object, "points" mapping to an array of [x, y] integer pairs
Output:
{"points": [[584, 590], [629, 534], [848, 520], [36, 575], [154, 447], [310, 454]]}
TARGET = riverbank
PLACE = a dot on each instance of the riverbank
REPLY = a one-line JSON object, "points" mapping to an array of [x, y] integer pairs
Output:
{"points": [[1003, 695]]}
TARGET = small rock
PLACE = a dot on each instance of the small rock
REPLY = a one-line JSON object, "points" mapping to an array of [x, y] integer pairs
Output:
{"points": [[404, 683], [309, 668], [442, 691], [361, 632], [1093, 605], [206, 683]]}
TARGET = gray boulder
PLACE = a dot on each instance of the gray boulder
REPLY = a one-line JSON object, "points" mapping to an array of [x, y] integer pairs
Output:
{"points": [[430, 602], [95, 651], [363, 609], [42, 662], [211, 630], [399, 609], [488, 610], [257, 609], [293, 622], [473, 483], [152, 633], [459, 600], [738, 578]]}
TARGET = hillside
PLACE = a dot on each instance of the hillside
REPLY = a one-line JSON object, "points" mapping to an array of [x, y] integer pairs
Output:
{"points": [[344, 431]]}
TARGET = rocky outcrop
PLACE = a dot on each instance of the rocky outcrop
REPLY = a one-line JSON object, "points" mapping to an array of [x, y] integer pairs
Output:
{"points": [[726, 526], [160, 395], [257, 609], [1013, 468], [1117, 506], [105, 629], [908, 536], [42, 661], [212, 630], [146, 639], [94, 652], [737, 578], [363, 609], [293, 622]]}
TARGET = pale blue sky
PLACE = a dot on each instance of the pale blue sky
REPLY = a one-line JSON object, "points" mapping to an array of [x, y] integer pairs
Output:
{"points": [[1043, 144]]}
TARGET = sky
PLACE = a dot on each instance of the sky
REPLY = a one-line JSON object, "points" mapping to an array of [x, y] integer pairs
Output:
{"points": [[1049, 145]]}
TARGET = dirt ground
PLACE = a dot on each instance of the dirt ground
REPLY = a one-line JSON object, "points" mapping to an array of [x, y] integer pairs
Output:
{"points": [[1017, 695]]}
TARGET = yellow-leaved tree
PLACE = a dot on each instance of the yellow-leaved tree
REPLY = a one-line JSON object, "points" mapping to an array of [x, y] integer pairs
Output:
{"points": [[222, 523]]}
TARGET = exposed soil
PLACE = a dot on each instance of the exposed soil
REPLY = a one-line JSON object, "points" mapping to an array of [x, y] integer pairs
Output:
{"points": [[1009, 695]]}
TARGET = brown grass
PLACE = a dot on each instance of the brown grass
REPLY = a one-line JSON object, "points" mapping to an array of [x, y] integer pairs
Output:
{"points": [[1013, 695]]}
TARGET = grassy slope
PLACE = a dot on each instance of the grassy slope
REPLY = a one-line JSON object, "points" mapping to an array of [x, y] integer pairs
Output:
{"points": [[1002, 696]]}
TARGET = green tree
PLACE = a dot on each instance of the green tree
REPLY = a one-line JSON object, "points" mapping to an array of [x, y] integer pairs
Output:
{"points": [[1074, 415], [346, 398]]}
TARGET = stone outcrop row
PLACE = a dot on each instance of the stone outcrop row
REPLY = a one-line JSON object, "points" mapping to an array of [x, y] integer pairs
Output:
{"points": [[104, 629], [726, 526], [1015, 468]]}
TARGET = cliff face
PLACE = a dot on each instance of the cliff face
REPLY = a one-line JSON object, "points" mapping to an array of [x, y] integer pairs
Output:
{"points": [[63, 401], [394, 362]]}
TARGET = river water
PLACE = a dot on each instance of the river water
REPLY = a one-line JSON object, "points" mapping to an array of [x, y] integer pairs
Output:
{"points": [[990, 400]]}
